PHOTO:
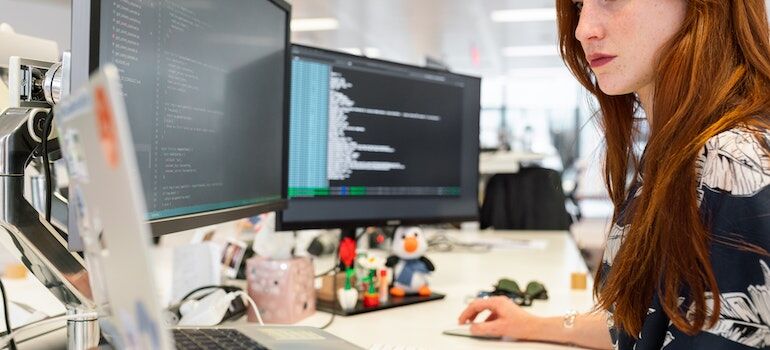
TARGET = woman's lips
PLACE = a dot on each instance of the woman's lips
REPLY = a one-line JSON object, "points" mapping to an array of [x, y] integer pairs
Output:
{"points": [[600, 60]]}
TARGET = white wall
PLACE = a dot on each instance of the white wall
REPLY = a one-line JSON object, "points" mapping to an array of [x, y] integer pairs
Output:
{"points": [[47, 19], [531, 89]]}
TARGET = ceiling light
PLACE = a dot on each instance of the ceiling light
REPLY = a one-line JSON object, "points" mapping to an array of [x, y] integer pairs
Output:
{"points": [[525, 15], [313, 24]]}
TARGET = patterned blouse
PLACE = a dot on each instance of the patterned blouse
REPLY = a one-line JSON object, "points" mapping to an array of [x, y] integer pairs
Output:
{"points": [[734, 174]]}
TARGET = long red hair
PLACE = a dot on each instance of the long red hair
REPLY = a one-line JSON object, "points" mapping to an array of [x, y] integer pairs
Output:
{"points": [[713, 75]]}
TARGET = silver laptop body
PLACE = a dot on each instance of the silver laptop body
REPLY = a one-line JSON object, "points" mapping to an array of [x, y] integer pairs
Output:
{"points": [[96, 142]]}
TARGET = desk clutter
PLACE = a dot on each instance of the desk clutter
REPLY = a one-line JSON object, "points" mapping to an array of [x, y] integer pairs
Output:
{"points": [[367, 281], [370, 282], [282, 285]]}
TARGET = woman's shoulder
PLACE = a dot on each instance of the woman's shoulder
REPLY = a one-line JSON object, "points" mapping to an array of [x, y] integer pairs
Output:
{"points": [[736, 161]]}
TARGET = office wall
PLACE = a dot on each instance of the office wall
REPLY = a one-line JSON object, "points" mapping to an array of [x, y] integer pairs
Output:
{"points": [[527, 89], [47, 19]]}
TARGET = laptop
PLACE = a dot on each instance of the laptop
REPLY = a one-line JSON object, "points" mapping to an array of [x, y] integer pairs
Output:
{"points": [[96, 143]]}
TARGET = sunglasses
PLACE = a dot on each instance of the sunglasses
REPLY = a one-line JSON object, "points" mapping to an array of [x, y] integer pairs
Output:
{"points": [[509, 288]]}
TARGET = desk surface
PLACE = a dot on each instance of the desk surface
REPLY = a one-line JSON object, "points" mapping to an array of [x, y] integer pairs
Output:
{"points": [[459, 274], [462, 274]]}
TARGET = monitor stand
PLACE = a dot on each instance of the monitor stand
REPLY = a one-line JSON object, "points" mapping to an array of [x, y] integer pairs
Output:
{"points": [[335, 308], [29, 237]]}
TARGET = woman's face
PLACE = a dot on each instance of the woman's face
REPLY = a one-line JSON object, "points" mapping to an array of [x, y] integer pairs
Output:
{"points": [[622, 38]]}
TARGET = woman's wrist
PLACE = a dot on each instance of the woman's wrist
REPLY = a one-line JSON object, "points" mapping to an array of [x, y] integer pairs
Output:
{"points": [[587, 330], [548, 329], [536, 329]]}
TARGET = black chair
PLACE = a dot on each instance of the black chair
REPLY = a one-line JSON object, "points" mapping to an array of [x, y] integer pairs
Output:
{"points": [[531, 199]]}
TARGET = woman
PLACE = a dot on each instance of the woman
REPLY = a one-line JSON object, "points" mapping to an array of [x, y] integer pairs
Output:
{"points": [[695, 221]]}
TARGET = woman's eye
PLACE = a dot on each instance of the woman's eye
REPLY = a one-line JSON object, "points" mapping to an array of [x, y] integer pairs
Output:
{"points": [[579, 6]]}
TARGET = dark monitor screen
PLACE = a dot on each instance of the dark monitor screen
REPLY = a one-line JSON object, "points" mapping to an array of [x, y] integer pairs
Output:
{"points": [[205, 89], [376, 142]]}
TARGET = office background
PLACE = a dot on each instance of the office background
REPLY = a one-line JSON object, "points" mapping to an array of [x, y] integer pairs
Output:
{"points": [[530, 103], [529, 99]]}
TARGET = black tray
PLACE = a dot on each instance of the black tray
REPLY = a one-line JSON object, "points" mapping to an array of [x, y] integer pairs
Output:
{"points": [[334, 306]]}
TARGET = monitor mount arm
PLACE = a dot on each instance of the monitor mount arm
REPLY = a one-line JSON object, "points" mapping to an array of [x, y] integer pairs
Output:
{"points": [[24, 231]]}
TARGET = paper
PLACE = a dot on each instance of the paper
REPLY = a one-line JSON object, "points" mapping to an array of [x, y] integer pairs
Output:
{"points": [[506, 243], [194, 266]]}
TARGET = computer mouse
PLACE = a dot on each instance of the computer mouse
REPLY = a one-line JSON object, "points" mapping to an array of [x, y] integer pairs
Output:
{"points": [[465, 331]]}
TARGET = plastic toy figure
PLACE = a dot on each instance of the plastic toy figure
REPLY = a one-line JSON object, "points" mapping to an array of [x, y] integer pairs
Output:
{"points": [[372, 264], [410, 267], [347, 296]]}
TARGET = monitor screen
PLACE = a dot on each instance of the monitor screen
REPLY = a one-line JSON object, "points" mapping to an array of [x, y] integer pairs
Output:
{"points": [[205, 89], [376, 142]]}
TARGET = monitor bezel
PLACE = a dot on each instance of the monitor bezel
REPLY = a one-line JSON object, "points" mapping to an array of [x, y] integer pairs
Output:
{"points": [[195, 220], [283, 225]]}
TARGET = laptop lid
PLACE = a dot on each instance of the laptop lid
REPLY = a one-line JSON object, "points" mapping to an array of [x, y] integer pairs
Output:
{"points": [[96, 143]]}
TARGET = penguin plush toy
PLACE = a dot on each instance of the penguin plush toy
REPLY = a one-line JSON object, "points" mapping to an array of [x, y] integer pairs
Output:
{"points": [[410, 267]]}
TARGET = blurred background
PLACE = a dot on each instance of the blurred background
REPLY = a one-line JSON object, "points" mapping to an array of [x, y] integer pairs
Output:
{"points": [[530, 102]]}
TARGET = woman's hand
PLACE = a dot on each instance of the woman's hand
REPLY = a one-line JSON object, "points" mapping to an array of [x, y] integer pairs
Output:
{"points": [[506, 319]]}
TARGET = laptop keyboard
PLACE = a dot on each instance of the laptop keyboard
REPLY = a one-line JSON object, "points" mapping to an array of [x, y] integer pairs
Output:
{"points": [[214, 338]]}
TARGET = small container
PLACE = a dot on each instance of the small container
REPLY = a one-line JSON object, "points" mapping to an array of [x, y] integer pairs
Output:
{"points": [[579, 281], [283, 289]]}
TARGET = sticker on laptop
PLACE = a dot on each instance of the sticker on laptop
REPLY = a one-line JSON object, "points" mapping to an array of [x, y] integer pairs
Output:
{"points": [[81, 209], [74, 155], [138, 329], [88, 223], [108, 135]]}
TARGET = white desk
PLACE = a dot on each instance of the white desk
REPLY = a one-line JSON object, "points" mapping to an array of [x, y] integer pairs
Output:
{"points": [[31, 292], [461, 274], [458, 274]]}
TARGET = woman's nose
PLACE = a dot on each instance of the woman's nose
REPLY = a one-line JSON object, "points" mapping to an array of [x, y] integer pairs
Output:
{"points": [[590, 24]]}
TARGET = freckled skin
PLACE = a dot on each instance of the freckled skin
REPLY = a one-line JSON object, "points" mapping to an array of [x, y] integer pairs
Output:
{"points": [[623, 28]]}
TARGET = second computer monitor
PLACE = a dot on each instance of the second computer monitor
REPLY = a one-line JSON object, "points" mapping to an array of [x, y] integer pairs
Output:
{"points": [[374, 143]]}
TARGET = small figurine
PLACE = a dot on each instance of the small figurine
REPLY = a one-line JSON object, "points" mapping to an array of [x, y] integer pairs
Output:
{"points": [[347, 296], [371, 263], [410, 267]]}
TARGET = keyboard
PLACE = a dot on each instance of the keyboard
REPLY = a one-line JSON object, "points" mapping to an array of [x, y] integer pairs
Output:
{"points": [[214, 338]]}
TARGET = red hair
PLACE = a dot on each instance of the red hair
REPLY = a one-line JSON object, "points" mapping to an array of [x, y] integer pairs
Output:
{"points": [[713, 75]]}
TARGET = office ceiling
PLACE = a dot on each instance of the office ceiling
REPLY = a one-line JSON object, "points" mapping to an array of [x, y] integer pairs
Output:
{"points": [[460, 33]]}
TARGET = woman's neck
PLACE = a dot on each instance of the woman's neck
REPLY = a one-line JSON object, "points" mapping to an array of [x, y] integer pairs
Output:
{"points": [[646, 98]]}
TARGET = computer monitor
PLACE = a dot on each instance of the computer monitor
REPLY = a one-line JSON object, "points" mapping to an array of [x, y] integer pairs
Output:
{"points": [[375, 143], [206, 92]]}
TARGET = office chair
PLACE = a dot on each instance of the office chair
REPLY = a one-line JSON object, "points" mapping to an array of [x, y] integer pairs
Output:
{"points": [[531, 199]]}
